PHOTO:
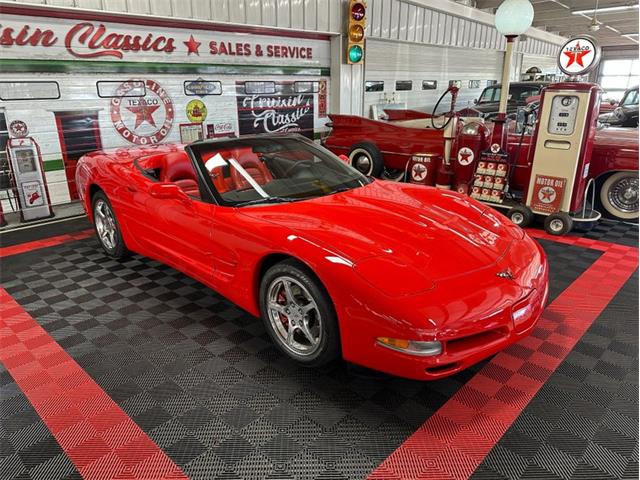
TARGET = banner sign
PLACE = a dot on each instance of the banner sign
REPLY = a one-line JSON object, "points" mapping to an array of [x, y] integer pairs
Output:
{"points": [[23, 37], [279, 112]]}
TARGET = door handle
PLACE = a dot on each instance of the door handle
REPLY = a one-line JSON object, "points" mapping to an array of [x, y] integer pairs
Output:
{"points": [[131, 188]]}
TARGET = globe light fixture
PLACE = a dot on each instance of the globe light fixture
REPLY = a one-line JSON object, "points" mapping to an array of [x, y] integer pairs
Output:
{"points": [[512, 18]]}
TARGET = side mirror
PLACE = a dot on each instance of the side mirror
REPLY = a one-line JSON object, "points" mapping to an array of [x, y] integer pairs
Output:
{"points": [[612, 102], [167, 190], [475, 101], [344, 158]]}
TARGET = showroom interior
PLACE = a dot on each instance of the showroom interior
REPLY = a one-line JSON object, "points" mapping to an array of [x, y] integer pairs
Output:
{"points": [[319, 239]]}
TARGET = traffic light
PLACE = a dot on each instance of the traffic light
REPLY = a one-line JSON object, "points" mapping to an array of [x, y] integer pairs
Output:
{"points": [[355, 31]]}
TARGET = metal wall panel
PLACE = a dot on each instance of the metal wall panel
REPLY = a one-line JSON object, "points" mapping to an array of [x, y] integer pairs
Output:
{"points": [[237, 11], [269, 12]]}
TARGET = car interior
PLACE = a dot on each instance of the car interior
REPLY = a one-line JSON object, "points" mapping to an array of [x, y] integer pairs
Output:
{"points": [[176, 167]]}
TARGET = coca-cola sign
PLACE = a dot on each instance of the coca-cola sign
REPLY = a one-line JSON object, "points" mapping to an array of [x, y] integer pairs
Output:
{"points": [[283, 111]]}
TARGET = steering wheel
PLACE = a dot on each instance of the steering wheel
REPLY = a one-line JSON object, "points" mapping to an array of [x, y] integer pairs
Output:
{"points": [[448, 115], [297, 164]]}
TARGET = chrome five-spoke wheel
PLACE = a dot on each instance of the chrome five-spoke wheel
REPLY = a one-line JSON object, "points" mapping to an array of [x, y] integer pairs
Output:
{"points": [[298, 313], [294, 316], [105, 224]]}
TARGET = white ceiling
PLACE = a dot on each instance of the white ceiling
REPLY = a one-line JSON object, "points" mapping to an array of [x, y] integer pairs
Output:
{"points": [[555, 16]]}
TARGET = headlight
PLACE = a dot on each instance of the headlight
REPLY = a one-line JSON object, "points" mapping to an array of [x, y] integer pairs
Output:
{"points": [[522, 311], [412, 347]]}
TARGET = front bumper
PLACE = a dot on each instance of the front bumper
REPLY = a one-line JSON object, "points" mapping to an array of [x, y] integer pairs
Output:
{"points": [[479, 322]]}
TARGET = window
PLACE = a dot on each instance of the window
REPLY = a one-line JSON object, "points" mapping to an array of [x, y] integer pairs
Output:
{"points": [[429, 84], [305, 87], [404, 85], [491, 82], [119, 89], [618, 75], [29, 90], [202, 87], [455, 83], [373, 86], [253, 88], [474, 83]]}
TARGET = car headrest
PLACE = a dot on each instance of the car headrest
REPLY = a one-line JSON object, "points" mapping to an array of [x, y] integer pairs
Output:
{"points": [[177, 166]]}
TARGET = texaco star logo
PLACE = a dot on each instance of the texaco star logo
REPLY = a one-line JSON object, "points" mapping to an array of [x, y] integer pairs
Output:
{"points": [[465, 156], [142, 120], [418, 172], [547, 194], [495, 148], [577, 56]]}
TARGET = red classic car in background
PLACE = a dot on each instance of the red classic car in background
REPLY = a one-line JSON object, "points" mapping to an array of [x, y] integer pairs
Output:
{"points": [[384, 148], [287, 231]]}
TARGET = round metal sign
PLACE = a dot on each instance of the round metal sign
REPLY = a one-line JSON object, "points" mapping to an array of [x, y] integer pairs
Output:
{"points": [[18, 129], [579, 55]]}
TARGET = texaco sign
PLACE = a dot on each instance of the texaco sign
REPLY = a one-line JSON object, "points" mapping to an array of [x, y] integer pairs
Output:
{"points": [[579, 55], [142, 120]]}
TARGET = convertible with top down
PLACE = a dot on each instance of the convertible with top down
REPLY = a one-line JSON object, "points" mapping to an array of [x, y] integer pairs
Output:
{"points": [[406, 279]]}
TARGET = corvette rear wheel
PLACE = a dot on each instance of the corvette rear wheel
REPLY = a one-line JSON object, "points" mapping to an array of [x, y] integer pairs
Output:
{"points": [[298, 314], [108, 228]]}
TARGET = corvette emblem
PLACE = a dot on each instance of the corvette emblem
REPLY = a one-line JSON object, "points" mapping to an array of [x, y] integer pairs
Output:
{"points": [[505, 274]]}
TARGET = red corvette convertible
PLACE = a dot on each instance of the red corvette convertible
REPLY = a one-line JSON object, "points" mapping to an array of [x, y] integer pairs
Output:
{"points": [[405, 279]]}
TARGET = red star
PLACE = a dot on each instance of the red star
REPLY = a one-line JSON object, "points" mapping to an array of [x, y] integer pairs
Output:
{"points": [[144, 113], [192, 46], [576, 56], [464, 156], [547, 193]]}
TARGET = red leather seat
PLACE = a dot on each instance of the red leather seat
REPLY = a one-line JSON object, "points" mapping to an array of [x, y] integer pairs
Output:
{"points": [[252, 165], [179, 170]]}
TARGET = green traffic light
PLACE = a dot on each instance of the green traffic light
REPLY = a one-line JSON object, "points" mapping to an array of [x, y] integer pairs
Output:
{"points": [[355, 53]]}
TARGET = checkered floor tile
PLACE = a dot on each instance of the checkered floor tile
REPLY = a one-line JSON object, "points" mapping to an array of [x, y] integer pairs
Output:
{"points": [[202, 379]]}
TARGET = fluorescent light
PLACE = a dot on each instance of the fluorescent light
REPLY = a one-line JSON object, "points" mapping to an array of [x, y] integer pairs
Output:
{"points": [[629, 34], [615, 8]]}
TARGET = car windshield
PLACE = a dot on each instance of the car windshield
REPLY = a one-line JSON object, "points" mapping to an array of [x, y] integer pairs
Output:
{"points": [[630, 98], [251, 171], [517, 93]]}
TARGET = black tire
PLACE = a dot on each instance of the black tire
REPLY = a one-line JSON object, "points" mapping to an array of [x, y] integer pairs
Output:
{"points": [[327, 348], [559, 223], [521, 215], [114, 245], [375, 166]]}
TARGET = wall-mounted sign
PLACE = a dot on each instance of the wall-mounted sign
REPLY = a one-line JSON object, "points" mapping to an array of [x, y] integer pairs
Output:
{"points": [[18, 129], [284, 111], [202, 87], [142, 120], [322, 99], [196, 111], [191, 132], [68, 39], [579, 55]]}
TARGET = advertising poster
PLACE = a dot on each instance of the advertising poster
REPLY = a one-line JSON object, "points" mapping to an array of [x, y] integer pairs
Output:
{"points": [[279, 111], [547, 194]]}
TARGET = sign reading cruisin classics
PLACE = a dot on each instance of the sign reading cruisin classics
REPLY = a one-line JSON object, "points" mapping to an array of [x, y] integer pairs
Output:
{"points": [[282, 111], [37, 37]]}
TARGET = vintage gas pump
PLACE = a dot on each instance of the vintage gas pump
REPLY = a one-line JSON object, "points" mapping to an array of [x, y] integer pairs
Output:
{"points": [[563, 141], [25, 161]]}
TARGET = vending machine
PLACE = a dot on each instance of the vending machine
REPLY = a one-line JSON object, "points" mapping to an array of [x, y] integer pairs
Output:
{"points": [[27, 171]]}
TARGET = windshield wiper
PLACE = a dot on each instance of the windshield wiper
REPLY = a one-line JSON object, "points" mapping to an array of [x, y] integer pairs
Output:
{"points": [[259, 201]]}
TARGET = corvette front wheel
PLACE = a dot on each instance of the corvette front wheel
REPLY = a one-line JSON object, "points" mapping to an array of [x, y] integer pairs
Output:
{"points": [[298, 314]]}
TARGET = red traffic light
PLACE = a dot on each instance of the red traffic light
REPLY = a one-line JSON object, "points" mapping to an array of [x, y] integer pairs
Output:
{"points": [[357, 11]]}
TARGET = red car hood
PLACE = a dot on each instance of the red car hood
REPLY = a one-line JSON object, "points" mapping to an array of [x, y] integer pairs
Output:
{"points": [[438, 232]]}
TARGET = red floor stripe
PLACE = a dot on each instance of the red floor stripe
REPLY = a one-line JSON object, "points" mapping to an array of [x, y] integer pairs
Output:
{"points": [[454, 441], [99, 438], [46, 242]]}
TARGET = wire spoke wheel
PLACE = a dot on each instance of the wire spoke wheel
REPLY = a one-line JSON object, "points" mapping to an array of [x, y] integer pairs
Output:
{"points": [[294, 316]]}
